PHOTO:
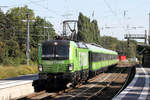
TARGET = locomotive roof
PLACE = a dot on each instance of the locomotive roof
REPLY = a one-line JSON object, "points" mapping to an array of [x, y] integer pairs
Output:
{"points": [[61, 42], [91, 47]]}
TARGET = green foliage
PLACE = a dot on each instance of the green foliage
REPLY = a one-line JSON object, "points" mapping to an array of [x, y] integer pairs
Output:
{"points": [[88, 30], [34, 53], [109, 42], [120, 46], [13, 32]]}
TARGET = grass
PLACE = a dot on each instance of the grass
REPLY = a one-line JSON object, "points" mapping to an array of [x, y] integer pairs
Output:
{"points": [[11, 71]]}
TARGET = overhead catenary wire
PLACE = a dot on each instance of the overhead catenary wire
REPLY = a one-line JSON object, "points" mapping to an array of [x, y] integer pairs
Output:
{"points": [[23, 27], [35, 3], [115, 14]]}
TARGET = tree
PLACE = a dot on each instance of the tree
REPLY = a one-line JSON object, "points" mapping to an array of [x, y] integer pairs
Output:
{"points": [[13, 33], [88, 30], [38, 31], [109, 42], [2, 25], [16, 26]]}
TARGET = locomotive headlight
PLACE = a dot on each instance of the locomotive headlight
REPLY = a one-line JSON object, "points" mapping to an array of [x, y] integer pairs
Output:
{"points": [[70, 67], [40, 68]]}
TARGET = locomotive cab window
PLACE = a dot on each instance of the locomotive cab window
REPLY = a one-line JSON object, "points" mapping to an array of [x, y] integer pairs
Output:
{"points": [[62, 52], [47, 51], [50, 51]]}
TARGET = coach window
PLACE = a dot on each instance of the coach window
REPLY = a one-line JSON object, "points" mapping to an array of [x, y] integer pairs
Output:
{"points": [[107, 57], [95, 57], [104, 56], [100, 56]]}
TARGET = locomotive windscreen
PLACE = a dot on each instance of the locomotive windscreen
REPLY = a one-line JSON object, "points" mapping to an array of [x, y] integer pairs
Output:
{"points": [[62, 51], [55, 50]]}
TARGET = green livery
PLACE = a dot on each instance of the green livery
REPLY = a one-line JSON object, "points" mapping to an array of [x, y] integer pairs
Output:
{"points": [[71, 62]]}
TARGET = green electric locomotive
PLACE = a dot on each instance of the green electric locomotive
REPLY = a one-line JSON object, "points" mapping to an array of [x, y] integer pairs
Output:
{"points": [[66, 62]]}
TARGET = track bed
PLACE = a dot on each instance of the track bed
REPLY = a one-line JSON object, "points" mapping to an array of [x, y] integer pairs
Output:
{"points": [[101, 87]]}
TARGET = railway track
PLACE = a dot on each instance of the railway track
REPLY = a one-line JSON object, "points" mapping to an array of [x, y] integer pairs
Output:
{"points": [[96, 88], [106, 86]]}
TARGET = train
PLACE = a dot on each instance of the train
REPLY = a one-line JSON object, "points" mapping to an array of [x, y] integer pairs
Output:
{"points": [[65, 63]]}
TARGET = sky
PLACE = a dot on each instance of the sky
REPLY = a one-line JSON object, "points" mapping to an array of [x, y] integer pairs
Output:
{"points": [[115, 17]]}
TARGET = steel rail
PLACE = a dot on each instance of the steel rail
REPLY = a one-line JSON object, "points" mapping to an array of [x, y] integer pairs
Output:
{"points": [[107, 85], [126, 82]]}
